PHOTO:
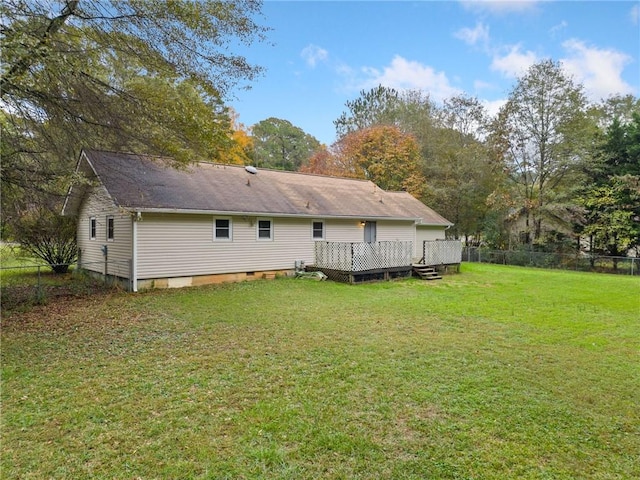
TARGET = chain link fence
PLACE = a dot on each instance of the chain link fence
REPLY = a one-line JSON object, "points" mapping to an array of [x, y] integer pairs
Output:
{"points": [[34, 284], [577, 261]]}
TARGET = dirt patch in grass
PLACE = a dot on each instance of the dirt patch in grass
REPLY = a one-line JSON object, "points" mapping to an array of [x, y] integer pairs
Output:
{"points": [[54, 291], [63, 311]]}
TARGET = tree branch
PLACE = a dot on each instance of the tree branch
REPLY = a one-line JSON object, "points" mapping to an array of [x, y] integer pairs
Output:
{"points": [[28, 58]]}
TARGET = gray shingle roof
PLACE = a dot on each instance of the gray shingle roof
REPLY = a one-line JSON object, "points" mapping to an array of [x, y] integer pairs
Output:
{"points": [[144, 183]]}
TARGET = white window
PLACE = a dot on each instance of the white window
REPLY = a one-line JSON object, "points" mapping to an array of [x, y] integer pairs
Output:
{"points": [[265, 230], [92, 228], [317, 230], [222, 230], [110, 228]]}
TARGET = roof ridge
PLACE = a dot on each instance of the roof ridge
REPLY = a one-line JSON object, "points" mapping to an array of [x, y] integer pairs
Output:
{"points": [[216, 164], [274, 170]]}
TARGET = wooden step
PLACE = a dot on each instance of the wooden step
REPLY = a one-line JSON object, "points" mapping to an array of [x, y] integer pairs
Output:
{"points": [[426, 272]]}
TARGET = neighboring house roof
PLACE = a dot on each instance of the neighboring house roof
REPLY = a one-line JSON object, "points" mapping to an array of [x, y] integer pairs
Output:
{"points": [[145, 183]]}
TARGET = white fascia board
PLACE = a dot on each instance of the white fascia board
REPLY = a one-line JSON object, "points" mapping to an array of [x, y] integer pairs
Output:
{"points": [[272, 214]]}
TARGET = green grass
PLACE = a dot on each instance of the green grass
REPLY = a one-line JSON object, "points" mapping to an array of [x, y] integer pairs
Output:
{"points": [[499, 372]]}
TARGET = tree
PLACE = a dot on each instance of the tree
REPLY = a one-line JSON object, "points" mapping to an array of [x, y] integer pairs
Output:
{"points": [[280, 145], [621, 148], [324, 162], [452, 156], [377, 106], [459, 169], [613, 216], [118, 75], [384, 155], [612, 200], [540, 133], [241, 150], [412, 111], [620, 107], [141, 76]]}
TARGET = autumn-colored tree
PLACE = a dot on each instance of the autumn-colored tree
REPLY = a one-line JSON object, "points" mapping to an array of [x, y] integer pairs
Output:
{"points": [[240, 151], [384, 155], [324, 162]]}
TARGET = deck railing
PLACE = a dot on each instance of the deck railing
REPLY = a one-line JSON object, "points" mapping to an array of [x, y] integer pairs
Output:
{"points": [[442, 252], [361, 256]]}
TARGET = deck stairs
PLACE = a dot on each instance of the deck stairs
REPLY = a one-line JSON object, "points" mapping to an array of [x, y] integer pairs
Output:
{"points": [[425, 272]]}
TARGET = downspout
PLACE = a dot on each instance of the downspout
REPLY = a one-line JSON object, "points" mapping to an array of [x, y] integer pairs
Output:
{"points": [[134, 252]]}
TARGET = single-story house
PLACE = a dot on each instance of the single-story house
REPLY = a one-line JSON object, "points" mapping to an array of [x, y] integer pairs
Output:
{"points": [[149, 224]]}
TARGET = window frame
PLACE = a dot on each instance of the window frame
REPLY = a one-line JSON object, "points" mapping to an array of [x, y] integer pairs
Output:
{"points": [[93, 227], [370, 231], [258, 230], [313, 230], [110, 228], [216, 237]]}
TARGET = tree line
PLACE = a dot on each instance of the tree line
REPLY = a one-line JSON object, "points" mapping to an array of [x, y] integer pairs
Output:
{"points": [[153, 77], [550, 171]]}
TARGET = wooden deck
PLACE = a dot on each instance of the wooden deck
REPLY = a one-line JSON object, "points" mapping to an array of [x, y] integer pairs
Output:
{"points": [[380, 274], [357, 262]]}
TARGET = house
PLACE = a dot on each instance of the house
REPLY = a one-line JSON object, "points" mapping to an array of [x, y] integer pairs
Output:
{"points": [[149, 224]]}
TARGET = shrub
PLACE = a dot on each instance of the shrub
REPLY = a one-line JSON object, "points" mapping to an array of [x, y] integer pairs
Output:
{"points": [[49, 236]]}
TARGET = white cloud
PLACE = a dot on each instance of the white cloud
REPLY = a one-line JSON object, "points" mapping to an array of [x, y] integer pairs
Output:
{"points": [[410, 75], [497, 7], [474, 36], [557, 28], [493, 106], [482, 85], [634, 14], [599, 70], [313, 54], [515, 63]]}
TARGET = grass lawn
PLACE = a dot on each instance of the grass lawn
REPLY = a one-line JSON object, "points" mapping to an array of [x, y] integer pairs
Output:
{"points": [[496, 373]]}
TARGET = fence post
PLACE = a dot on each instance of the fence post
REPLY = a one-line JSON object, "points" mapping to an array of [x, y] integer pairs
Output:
{"points": [[352, 265]]}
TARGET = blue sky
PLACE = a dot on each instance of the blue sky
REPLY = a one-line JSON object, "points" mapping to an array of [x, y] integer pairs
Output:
{"points": [[320, 54]]}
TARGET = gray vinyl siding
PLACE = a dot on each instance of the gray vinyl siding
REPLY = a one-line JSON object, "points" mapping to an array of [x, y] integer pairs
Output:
{"points": [[99, 205]]}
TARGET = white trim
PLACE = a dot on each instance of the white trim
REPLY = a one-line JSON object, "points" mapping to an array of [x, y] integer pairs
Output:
{"points": [[223, 239], [134, 251], [113, 229], [93, 227], [417, 220], [263, 239], [322, 237]]}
